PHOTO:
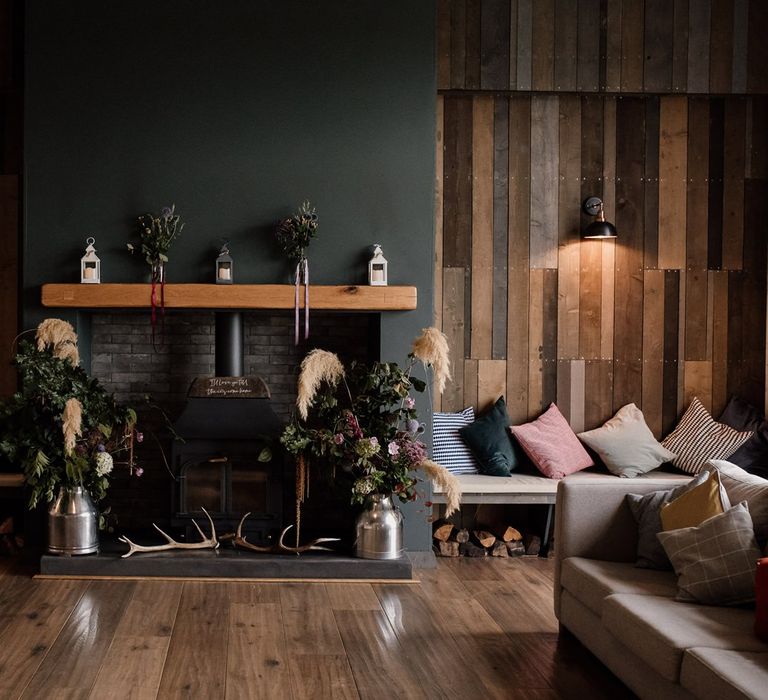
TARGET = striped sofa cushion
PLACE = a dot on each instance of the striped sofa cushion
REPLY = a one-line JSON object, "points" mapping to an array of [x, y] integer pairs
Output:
{"points": [[698, 438], [448, 449]]}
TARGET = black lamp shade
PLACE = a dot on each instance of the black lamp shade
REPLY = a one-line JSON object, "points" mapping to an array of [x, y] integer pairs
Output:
{"points": [[599, 229]]}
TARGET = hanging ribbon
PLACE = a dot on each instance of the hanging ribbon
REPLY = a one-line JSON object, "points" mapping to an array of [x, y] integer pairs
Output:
{"points": [[306, 299], [302, 277]]}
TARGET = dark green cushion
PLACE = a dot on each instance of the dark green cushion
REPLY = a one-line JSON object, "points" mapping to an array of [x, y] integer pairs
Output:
{"points": [[488, 438]]}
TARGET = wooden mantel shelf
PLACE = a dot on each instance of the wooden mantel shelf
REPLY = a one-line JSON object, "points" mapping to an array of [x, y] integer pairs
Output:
{"points": [[229, 296]]}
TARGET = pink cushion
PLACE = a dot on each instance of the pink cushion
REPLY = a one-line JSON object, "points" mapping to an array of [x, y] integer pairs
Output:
{"points": [[551, 444]]}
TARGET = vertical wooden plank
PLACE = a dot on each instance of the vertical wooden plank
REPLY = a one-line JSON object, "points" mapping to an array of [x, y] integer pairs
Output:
{"points": [[671, 350], [443, 44], [696, 282], [491, 382], [609, 247], [549, 335], [568, 224], [566, 62], [721, 46], [715, 189], [494, 45], [500, 222], [740, 24], [653, 349], [472, 70], [651, 212], [544, 168], [600, 378], [613, 47], [453, 327], [682, 313], [457, 190], [698, 185], [698, 46], [632, 23], [719, 341], [543, 45], [757, 47], [518, 262], [535, 341], [458, 44], [578, 395], [659, 35], [524, 43], [630, 140], [698, 382], [733, 183], [9, 281], [513, 4], [588, 74], [482, 227], [680, 47], [757, 138], [673, 147], [564, 388], [470, 383]]}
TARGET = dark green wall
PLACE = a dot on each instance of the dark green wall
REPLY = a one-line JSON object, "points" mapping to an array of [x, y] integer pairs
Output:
{"points": [[236, 111]]}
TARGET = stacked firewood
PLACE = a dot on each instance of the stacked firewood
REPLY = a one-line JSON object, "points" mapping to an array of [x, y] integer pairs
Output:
{"points": [[504, 541]]}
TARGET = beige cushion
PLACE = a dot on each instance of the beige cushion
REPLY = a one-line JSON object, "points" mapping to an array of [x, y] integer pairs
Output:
{"points": [[716, 561], [740, 486], [592, 581], [659, 629], [725, 674], [695, 506], [626, 445]]}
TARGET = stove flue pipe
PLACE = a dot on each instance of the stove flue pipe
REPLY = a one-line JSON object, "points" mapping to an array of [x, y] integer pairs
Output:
{"points": [[229, 344]]}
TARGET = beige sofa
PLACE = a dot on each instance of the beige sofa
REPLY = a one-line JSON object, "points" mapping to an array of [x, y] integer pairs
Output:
{"points": [[629, 618]]}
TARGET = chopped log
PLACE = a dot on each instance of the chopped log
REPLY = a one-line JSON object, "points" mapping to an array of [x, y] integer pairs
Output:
{"points": [[532, 544], [515, 549], [469, 549], [442, 531], [448, 549], [510, 534], [499, 549], [462, 536], [485, 538]]}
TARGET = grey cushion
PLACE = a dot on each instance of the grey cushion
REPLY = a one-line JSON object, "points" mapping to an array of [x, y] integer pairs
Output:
{"points": [[659, 629], [716, 561], [592, 581], [725, 674], [647, 513], [626, 444], [740, 486]]}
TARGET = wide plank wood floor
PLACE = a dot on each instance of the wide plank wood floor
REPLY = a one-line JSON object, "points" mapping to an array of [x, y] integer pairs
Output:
{"points": [[470, 628]]}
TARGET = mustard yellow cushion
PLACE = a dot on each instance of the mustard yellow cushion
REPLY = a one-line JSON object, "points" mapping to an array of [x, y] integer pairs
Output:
{"points": [[695, 506]]}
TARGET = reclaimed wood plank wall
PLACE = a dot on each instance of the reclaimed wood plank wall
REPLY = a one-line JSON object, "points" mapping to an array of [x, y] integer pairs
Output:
{"points": [[660, 109], [11, 19]]}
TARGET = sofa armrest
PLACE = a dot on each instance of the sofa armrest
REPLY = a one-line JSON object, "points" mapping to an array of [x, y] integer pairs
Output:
{"points": [[593, 520]]}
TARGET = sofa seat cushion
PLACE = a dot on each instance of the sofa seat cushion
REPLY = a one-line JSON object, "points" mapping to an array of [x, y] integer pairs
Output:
{"points": [[591, 581], [659, 629], [725, 674]]}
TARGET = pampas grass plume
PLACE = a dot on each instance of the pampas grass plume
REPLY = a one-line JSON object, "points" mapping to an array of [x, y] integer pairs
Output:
{"points": [[72, 423], [447, 482], [317, 367], [431, 347], [61, 337]]}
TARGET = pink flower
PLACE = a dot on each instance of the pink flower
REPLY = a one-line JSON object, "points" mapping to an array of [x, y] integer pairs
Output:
{"points": [[138, 471], [338, 438], [410, 402], [139, 436], [374, 441], [394, 449]]}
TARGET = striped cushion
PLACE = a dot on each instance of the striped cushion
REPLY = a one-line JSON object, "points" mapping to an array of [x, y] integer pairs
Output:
{"points": [[448, 449], [698, 438]]}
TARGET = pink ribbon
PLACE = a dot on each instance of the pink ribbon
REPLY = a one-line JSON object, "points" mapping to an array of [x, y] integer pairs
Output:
{"points": [[302, 277]]}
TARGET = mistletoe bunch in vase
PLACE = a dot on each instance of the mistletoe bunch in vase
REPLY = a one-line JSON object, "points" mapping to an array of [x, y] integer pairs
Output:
{"points": [[363, 422]]}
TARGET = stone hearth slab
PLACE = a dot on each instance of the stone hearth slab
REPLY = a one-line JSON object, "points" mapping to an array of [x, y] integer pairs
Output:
{"points": [[226, 564]]}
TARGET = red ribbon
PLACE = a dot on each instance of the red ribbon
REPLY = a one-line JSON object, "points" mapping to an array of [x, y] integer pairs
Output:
{"points": [[302, 277]]}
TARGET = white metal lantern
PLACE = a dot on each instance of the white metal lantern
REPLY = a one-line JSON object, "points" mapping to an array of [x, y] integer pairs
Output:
{"points": [[377, 268], [224, 266], [90, 265]]}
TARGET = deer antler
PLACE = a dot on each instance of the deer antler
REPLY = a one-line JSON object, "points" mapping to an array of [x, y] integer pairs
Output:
{"points": [[207, 542], [280, 547]]}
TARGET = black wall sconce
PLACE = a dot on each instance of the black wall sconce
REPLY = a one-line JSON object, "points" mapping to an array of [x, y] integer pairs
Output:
{"points": [[599, 228]]}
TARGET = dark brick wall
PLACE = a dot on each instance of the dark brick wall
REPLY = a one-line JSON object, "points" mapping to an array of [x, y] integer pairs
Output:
{"points": [[124, 360]]}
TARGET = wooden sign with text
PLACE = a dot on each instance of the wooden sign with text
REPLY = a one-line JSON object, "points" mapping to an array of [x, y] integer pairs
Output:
{"points": [[229, 388]]}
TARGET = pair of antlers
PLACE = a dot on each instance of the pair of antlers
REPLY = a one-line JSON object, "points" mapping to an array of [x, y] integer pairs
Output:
{"points": [[237, 538]]}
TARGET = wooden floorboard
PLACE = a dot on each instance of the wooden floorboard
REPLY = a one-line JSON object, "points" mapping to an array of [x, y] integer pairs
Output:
{"points": [[469, 628]]}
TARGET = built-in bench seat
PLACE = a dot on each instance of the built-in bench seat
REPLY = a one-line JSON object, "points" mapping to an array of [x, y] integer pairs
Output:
{"points": [[529, 489]]}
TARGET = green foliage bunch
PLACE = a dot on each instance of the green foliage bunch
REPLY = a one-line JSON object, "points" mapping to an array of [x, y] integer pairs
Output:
{"points": [[295, 233], [31, 434], [156, 234]]}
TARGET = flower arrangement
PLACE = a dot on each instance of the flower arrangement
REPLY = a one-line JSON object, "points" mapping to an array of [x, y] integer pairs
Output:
{"points": [[295, 233], [63, 428], [156, 234], [364, 424]]}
